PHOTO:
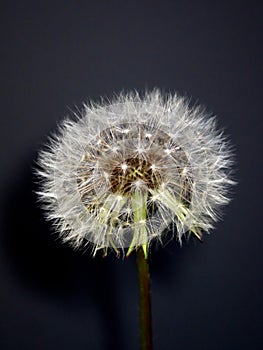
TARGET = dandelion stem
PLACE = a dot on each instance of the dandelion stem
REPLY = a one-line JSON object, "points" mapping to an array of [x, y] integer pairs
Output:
{"points": [[145, 301]]}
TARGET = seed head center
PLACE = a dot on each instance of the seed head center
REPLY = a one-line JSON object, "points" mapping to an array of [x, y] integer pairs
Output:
{"points": [[133, 172]]}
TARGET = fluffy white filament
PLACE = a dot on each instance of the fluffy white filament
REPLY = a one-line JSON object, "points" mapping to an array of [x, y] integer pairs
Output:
{"points": [[127, 170]]}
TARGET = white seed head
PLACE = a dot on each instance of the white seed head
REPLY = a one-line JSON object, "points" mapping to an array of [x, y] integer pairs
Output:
{"points": [[124, 172]]}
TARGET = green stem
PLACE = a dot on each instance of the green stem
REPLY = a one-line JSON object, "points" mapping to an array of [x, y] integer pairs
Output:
{"points": [[145, 301]]}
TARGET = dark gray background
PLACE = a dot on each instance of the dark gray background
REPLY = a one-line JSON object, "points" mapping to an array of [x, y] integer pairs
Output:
{"points": [[53, 57]]}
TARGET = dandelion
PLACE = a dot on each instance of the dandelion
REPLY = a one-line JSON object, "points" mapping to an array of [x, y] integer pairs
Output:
{"points": [[126, 171]]}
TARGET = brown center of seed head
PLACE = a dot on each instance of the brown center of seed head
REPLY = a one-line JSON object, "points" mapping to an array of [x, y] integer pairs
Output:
{"points": [[134, 171]]}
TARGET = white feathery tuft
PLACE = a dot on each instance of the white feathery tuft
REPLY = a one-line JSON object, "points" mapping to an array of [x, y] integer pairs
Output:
{"points": [[126, 171]]}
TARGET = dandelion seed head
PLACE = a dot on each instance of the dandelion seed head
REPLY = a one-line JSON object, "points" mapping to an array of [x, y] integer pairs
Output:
{"points": [[126, 171]]}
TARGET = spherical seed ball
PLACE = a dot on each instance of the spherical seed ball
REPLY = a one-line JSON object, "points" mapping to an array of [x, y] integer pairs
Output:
{"points": [[125, 171]]}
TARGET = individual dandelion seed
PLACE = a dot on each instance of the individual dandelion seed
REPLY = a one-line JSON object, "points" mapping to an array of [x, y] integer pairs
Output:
{"points": [[124, 171]]}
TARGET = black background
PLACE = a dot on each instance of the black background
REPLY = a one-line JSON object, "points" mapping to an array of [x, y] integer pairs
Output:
{"points": [[53, 57]]}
